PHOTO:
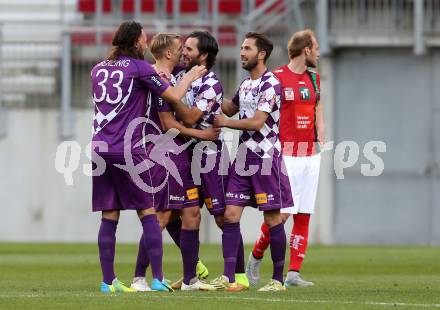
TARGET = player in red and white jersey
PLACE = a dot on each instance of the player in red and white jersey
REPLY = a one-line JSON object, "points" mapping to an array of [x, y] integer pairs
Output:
{"points": [[301, 133]]}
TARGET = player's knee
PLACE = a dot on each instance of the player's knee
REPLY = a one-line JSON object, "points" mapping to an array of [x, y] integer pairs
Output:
{"points": [[191, 218], [219, 220], [145, 212], [231, 216], [111, 215], [272, 218], [285, 217]]}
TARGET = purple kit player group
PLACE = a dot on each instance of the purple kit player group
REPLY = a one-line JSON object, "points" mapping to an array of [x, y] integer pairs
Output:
{"points": [[154, 125]]}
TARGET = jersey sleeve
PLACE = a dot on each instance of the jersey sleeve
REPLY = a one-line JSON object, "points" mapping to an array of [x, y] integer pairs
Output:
{"points": [[269, 96], [162, 105], [209, 96], [236, 98], [151, 79]]}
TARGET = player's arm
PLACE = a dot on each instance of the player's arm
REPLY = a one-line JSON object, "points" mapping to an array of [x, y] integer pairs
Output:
{"points": [[320, 127], [168, 122], [160, 88], [266, 102], [254, 123], [229, 108], [189, 115], [208, 93]]}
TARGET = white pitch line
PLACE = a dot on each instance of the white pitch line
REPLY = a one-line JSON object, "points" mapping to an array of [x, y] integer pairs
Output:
{"points": [[289, 301]]}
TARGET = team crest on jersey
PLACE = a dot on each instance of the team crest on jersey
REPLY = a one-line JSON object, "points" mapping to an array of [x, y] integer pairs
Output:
{"points": [[304, 93], [289, 94]]}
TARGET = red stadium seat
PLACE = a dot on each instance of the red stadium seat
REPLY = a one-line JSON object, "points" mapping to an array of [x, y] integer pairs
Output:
{"points": [[89, 6], [147, 6], [186, 6], [228, 6]]}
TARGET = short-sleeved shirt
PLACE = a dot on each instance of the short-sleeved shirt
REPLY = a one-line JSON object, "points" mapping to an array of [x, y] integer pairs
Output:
{"points": [[262, 94], [157, 105], [120, 91], [205, 93], [298, 111]]}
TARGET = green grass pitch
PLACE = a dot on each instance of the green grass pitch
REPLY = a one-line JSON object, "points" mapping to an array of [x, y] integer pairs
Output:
{"points": [[67, 276]]}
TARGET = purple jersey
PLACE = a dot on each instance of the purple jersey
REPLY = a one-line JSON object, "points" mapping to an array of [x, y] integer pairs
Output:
{"points": [[157, 105], [264, 95], [120, 90], [205, 93]]}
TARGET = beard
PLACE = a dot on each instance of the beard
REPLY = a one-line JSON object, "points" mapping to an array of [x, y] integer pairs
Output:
{"points": [[310, 63], [192, 63], [250, 65]]}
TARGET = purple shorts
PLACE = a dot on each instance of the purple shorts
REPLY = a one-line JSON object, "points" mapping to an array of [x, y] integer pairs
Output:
{"points": [[268, 188], [213, 183], [173, 195], [116, 189]]}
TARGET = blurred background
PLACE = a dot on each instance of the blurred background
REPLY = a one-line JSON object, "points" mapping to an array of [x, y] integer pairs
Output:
{"points": [[380, 79]]}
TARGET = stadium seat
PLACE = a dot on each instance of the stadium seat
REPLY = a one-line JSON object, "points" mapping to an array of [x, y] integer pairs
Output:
{"points": [[89, 6]]}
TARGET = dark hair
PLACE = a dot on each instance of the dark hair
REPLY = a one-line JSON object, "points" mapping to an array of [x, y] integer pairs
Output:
{"points": [[206, 45], [298, 41], [125, 39], [262, 42]]}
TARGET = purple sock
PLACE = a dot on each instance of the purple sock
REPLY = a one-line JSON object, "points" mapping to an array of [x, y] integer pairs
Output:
{"points": [[230, 244], [189, 247], [153, 244], [239, 266], [174, 229], [143, 261], [106, 244], [278, 250]]}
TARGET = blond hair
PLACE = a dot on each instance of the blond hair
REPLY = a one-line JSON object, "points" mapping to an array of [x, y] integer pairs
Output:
{"points": [[161, 42], [298, 41]]}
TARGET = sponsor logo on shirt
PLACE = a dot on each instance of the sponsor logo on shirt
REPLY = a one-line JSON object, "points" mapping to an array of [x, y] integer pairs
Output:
{"points": [[237, 196], [177, 198], [192, 193], [156, 81], [261, 198], [243, 196], [305, 93]]}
